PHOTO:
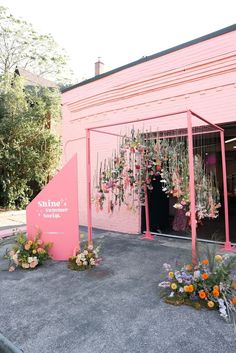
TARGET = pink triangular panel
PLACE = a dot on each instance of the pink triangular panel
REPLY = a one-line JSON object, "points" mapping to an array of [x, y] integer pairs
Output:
{"points": [[55, 212]]}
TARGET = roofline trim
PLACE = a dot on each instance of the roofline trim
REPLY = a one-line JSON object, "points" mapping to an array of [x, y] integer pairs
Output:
{"points": [[155, 56]]}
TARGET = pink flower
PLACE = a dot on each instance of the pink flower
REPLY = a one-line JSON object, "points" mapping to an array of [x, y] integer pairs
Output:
{"points": [[11, 269], [33, 264]]}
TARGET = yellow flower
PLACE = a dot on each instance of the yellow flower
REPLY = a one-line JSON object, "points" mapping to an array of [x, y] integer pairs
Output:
{"points": [[218, 258], [210, 304], [173, 286], [171, 274], [34, 251], [30, 242], [186, 288]]}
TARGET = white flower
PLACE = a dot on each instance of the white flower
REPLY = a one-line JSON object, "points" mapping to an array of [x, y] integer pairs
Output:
{"points": [[172, 294], [181, 290], [92, 261], [164, 284], [85, 263], [178, 206], [180, 280], [30, 259], [85, 252], [222, 309], [167, 267], [196, 274]]}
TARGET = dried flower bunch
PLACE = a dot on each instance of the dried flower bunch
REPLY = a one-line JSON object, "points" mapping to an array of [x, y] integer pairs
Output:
{"points": [[140, 158], [210, 284], [85, 259], [27, 253]]}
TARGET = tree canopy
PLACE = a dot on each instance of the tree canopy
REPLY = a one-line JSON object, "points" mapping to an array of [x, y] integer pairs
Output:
{"points": [[22, 46], [29, 150]]}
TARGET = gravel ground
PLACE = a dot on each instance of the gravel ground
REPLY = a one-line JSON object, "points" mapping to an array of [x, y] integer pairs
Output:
{"points": [[114, 308]]}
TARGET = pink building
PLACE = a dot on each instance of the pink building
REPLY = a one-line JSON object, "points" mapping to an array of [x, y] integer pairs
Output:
{"points": [[199, 75]]}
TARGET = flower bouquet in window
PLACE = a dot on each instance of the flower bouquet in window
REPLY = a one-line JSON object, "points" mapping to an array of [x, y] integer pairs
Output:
{"points": [[27, 253], [85, 259]]}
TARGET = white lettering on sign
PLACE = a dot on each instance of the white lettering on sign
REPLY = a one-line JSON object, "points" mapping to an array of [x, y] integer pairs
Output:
{"points": [[52, 209]]}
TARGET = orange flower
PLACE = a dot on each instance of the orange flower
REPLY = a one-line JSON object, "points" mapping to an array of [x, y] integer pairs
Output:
{"points": [[234, 285], [202, 294], [189, 267], [216, 293], [205, 275], [190, 288], [216, 287], [233, 300], [205, 262]]}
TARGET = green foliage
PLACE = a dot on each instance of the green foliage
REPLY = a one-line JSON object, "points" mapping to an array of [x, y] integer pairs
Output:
{"points": [[22, 46], [29, 151]]}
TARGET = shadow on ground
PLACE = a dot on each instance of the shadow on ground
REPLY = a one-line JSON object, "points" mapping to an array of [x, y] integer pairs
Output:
{"points": [[114, 308]]}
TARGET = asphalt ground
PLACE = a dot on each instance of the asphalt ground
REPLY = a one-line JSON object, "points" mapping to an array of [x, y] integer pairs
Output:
{"points": [[114, 308]]}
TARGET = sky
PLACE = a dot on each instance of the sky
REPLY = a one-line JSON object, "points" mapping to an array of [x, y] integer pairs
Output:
{"points": [[121, 31]]}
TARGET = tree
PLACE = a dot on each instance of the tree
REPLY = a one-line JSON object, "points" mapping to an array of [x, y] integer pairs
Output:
{"points": [[22, 46], [29, 151]]}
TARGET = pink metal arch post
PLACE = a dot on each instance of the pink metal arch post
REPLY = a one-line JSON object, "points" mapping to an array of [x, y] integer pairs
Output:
{"points": [[192, 188], [227, 245]]}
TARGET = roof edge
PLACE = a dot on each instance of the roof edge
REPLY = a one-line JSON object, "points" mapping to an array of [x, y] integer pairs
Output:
{"points": [[154, 56]]}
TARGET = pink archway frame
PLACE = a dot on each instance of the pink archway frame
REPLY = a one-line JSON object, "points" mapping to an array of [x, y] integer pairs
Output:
{"points": [[189, 116]]}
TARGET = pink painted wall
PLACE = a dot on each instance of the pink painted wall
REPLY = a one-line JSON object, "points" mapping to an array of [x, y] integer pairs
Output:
{"points": [[201, 77]]}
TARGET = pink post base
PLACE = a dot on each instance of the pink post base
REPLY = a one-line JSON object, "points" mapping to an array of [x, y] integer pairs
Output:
{"points": [[228, 247], [147, 236]]}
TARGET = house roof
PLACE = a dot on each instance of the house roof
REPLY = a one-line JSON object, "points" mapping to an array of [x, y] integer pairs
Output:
{"points": [[154, 56], [33, 79]]}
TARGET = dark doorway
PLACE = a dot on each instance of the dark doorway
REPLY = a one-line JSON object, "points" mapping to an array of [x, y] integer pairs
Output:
{"points": [[158, 203], [161, 211]]}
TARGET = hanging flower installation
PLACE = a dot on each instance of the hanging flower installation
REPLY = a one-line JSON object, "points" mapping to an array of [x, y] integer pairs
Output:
{"points": [[141, 157]]}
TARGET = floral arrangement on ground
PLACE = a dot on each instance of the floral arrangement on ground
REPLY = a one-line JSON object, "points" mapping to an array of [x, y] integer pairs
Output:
{"points": [[209, 284], [85, 259], [27, 253]]}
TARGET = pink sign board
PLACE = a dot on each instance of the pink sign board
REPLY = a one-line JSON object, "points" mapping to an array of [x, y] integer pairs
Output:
{"points": [[54, 211]]}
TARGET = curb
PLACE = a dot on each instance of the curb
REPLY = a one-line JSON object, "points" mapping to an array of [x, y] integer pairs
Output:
{"points": [[9, 231], [7, 347]]}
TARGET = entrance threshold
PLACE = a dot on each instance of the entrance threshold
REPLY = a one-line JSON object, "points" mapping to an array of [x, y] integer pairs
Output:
{"points": [[186, 238]]}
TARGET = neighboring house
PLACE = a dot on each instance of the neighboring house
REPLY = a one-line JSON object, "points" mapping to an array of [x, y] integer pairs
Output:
{"points": [[199, 75], [31, 79]]}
